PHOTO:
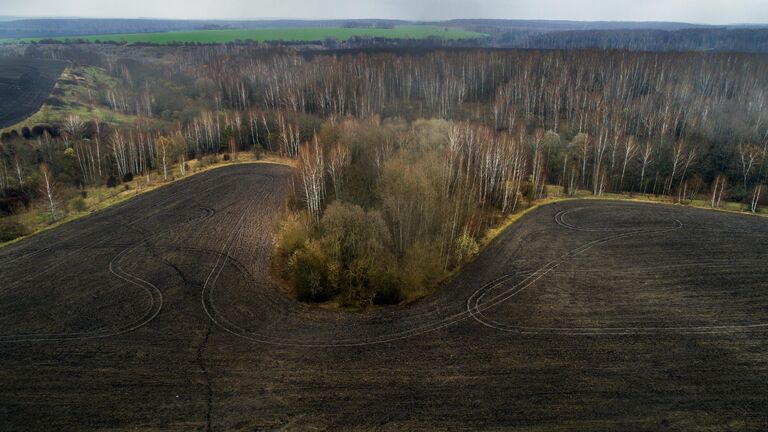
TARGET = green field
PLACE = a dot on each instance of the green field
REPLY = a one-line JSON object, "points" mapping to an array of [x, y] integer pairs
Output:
{"points": [[282, 34]]}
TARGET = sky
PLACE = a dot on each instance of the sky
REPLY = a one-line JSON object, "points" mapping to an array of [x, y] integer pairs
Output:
{"points": [[692, 11]]}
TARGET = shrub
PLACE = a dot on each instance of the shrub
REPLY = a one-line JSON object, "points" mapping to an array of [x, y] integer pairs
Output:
{"points": [[78, 204], [346, 257], [310, 269], [10, 230], [292, 234], [423, 268], [13, 202], [293, 202], [258, 151], [386, 288], [466, 248]]}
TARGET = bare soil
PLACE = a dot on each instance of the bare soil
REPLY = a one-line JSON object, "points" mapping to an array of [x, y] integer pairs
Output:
{"points": [[160, 314], [25, 83]]}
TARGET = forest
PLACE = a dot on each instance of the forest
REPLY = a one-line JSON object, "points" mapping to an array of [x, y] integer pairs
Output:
{"points": [[404, 161], [691, 39]]}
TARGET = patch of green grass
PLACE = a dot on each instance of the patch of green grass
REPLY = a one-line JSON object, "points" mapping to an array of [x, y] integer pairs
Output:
{"points": [[78, 86], [282, 34]]}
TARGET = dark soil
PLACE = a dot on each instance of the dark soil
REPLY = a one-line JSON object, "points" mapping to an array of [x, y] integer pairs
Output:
{"points": [[159, 314], [25, 83]]}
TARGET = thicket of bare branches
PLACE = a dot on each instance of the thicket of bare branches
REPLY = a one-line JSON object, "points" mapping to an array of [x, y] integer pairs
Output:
{"points": [[685, 114]]}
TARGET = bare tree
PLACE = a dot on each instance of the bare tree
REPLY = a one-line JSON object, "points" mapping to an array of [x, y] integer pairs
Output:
{"points": [[756, 198], [748, 155], [48, 190], [120, 152], [164, 146], [583, 143], [646, 158], [180, 152], [630, 149], [721, 183], [74, 127], [598, 177], [312, 169], [338, 159]]}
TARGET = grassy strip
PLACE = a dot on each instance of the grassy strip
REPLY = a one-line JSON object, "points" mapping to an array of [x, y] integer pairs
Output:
{"points": [[108, 197], [705, 204], [297, 34], [75, 96], [494, 232]]}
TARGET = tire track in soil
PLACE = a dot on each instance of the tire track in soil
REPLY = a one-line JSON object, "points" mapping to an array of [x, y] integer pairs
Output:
{"points": [[246, 205], [476, 307], [200, 352], [115, 268], [200, 358]]}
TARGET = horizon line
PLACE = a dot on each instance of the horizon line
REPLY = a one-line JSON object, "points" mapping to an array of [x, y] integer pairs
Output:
{"points": [[84, 17]]}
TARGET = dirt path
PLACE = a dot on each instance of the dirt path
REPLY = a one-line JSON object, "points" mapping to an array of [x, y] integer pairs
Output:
{"points": [[159, 314]]}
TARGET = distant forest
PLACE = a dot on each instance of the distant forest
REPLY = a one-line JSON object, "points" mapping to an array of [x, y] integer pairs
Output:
{"points": [[533, 34], [703, 39]]}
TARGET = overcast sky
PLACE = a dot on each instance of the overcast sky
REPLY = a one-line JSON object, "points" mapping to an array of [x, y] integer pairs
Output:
{"points": [[695, 11]]}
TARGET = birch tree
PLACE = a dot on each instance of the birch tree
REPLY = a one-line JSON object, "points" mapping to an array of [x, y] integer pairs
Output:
{"points": [[48, 190], [338, 159], [164, 147], [311, 170], [748, 155], [646, 158]]}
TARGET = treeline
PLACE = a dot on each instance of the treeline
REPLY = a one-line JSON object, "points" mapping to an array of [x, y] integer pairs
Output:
{"points": [[53, 166], [79, 154], [626, 121], [627, 118], [700, 39]]}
